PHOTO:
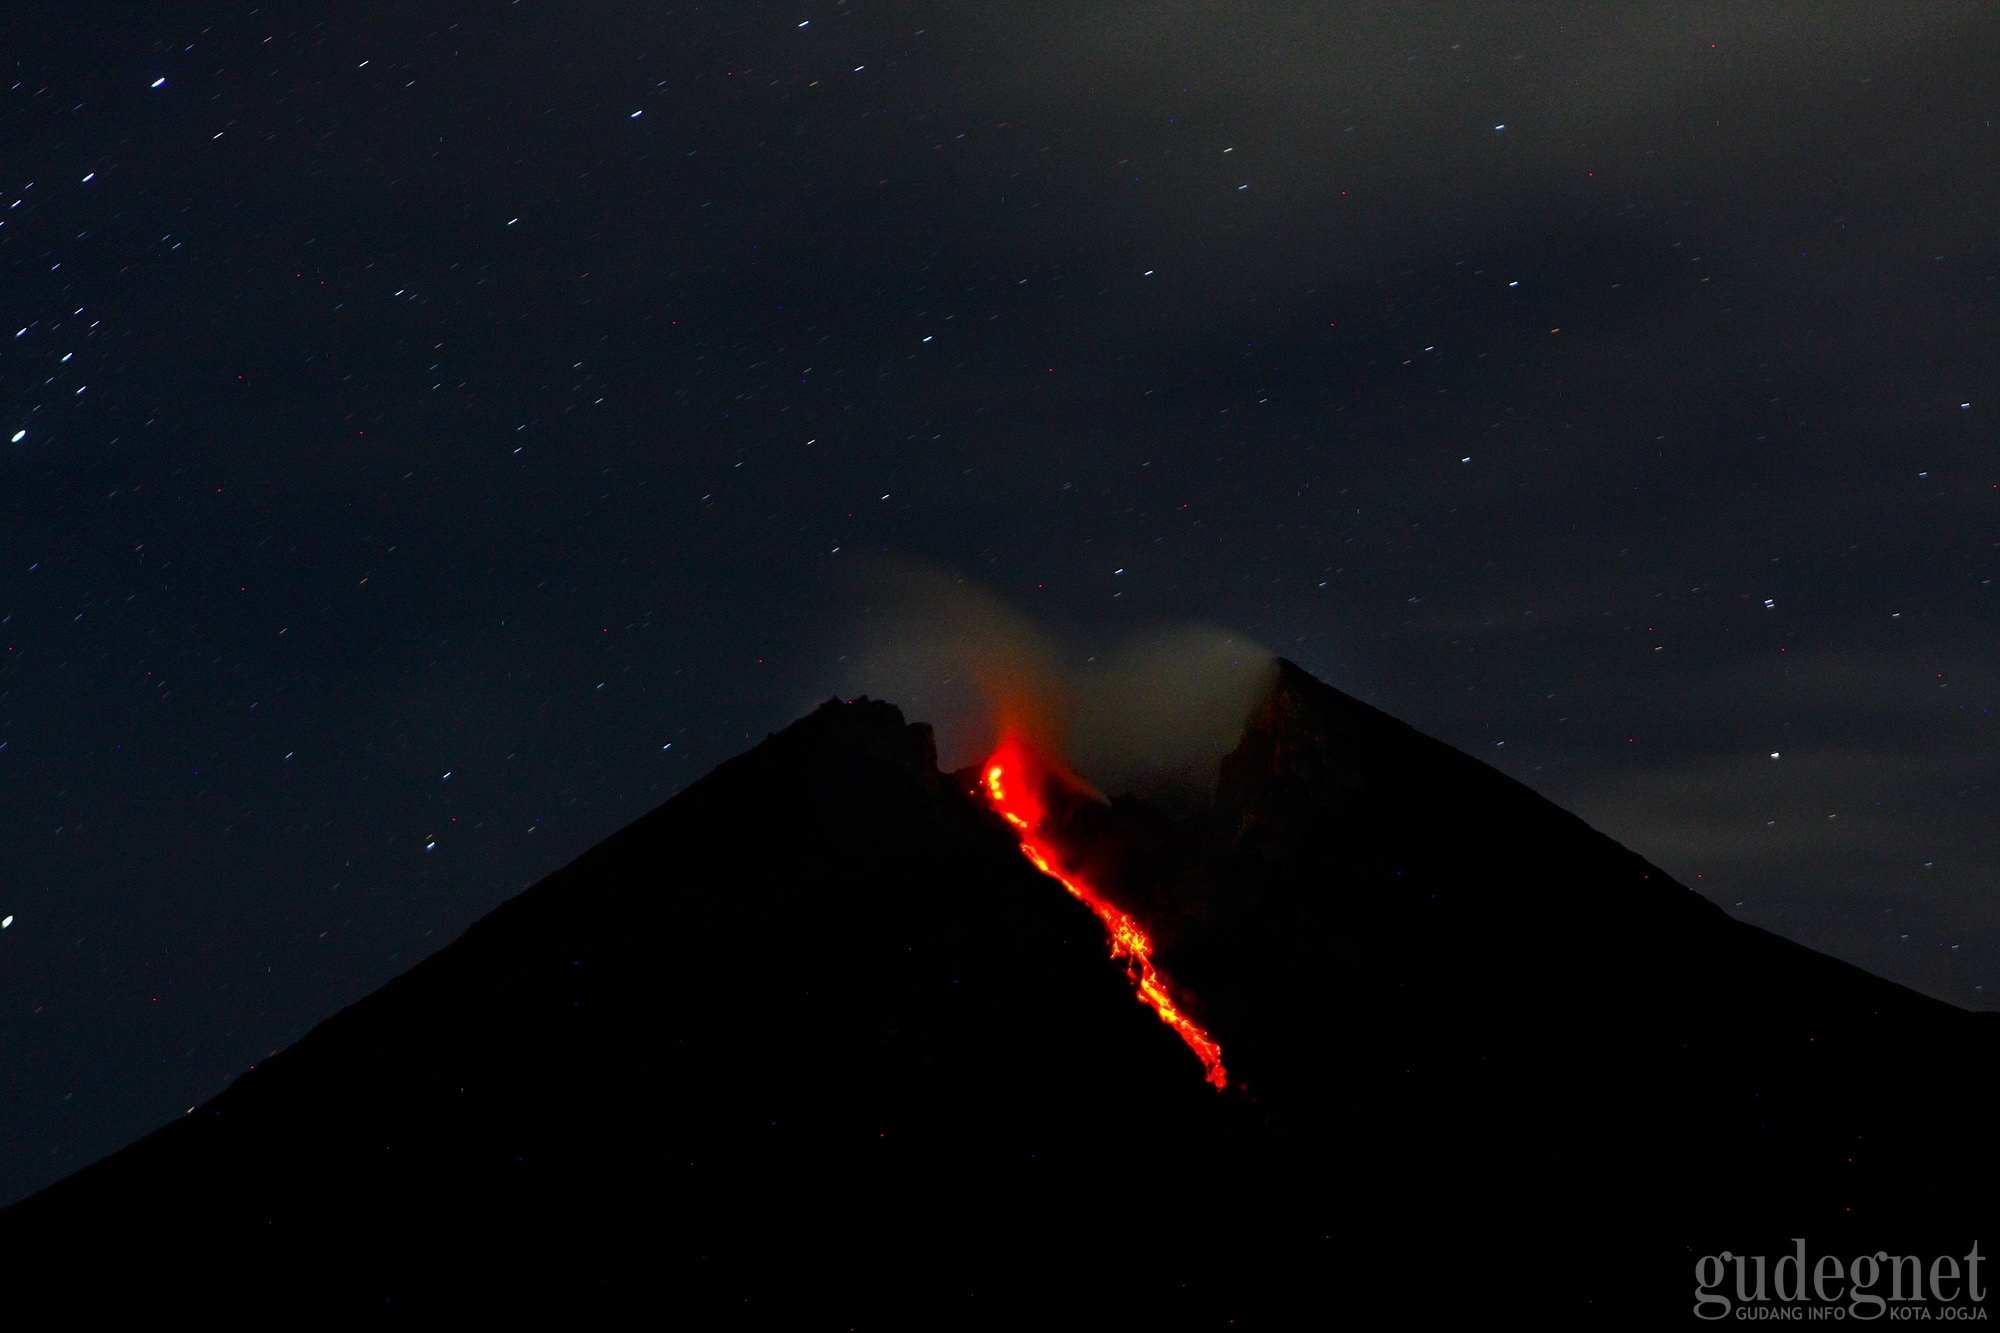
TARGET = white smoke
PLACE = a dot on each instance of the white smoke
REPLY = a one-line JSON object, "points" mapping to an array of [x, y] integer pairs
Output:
{"points": [[1151, 714], [1156, 714]]}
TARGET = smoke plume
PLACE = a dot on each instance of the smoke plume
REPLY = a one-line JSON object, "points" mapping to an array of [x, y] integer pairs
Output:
{"points": [[1158, 712], [1148, 713]]}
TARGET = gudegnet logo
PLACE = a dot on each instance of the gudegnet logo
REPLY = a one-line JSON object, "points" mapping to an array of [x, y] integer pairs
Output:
{"points": [[1881, 1285]]}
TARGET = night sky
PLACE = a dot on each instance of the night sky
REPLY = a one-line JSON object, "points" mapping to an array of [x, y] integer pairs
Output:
{"points": [[432, 440]]}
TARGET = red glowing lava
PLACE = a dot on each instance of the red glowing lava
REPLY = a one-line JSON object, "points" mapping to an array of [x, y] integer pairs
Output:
{"points": [[1015, 781]]}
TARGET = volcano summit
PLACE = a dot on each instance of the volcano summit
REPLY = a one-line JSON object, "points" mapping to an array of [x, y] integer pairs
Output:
{"points": [[815, 1045]]}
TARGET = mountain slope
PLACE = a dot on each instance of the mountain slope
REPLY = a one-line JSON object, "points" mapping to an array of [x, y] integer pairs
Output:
{"points": [[812, 1032], [1472, 1009]]}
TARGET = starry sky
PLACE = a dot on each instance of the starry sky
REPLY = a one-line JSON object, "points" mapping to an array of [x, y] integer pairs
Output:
{"points": [[434, 434]]}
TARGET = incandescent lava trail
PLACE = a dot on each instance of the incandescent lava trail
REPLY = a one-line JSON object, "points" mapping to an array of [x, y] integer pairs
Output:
{"points": [[1014, 780]]}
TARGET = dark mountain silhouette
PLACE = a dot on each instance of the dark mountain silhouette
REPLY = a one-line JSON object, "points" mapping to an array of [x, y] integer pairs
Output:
{"points": [[1513, 1038], [812, 1046]]}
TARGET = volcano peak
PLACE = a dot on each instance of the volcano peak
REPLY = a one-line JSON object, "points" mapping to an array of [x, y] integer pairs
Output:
{"points": [[814, 1042]]}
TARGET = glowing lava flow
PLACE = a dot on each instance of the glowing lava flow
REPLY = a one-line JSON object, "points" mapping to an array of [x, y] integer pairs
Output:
{"points": [[1011, 786]]}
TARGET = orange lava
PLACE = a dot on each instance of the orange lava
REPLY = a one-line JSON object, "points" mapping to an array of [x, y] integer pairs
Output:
{"points": [[1014, 780]]}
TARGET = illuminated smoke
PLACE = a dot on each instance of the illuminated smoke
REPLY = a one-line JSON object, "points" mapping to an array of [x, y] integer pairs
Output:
{"points": [[1151, 714], [950, 654]]}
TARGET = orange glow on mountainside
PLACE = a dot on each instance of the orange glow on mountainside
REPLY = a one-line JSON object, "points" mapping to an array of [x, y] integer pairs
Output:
{"points": [[1014, 779]]}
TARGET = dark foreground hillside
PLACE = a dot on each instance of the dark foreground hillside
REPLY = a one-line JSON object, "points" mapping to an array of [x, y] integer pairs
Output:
{"points": [[813, 1046]]}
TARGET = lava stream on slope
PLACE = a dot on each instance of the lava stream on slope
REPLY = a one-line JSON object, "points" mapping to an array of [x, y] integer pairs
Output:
{"points": [[1014, 779]]}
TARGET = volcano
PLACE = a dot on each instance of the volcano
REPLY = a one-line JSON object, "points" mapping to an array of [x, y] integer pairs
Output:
{"points": [[815, 1044]]}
